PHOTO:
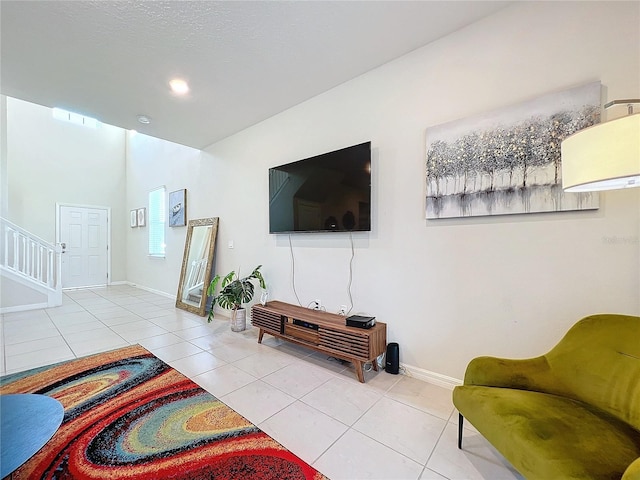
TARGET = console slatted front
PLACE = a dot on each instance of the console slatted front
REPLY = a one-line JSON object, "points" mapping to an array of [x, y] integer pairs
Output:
{"points": [[349, 343], [266, 319], [330, 334]]}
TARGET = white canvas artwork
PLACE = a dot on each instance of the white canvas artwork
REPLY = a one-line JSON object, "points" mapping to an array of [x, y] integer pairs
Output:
{"points": [[508, 161]]}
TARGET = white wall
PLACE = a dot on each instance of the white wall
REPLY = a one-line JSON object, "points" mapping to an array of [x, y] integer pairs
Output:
{"points": [[50, 161], [448, 290], [15, 294], [152, 163]]}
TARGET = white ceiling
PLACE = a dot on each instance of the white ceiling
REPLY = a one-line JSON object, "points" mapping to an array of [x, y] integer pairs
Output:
{"points": [[245, 61]]}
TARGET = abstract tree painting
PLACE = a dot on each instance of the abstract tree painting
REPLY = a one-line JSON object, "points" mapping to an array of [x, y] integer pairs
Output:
{"points": [[508, 161]]}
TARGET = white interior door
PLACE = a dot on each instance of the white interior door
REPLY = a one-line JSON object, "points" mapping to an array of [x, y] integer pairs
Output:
{"points": [[85, 239]]}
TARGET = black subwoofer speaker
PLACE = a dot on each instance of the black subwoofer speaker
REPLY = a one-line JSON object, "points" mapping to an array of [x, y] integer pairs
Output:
{"points": [[392, 358]]}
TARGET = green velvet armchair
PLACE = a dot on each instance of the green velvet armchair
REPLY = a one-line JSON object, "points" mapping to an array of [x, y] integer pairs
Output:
{"points": [[573, 413]]}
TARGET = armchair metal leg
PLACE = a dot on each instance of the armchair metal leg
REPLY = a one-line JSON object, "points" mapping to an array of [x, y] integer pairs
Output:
{"points": [[460, 422]]}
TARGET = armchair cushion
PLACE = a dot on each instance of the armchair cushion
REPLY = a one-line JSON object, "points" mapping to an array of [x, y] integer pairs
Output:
{"points": [[549, 436]]}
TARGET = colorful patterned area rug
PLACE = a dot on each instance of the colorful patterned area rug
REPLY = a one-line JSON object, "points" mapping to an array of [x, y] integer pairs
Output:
{"points": [[130, 415]]}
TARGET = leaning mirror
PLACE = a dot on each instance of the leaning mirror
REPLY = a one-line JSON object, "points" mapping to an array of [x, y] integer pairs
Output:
{"points": [[197, 263]]}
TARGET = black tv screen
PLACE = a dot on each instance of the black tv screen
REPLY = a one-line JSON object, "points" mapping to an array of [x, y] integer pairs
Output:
{"points": [[326, 193]]}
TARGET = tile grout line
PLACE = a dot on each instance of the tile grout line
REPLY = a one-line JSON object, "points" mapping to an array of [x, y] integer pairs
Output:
{"points": [[64, 339], [435, 445]]}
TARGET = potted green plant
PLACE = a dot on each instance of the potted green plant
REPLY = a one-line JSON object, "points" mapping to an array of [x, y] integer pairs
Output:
{"points": [[234, 291]]}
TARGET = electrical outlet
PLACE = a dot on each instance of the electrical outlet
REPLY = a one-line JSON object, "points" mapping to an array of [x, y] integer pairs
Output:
{"points": [[318, 304], [343, 310]]}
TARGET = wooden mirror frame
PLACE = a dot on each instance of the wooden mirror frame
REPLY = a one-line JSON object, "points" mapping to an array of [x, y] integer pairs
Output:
{"points": [[200, 309]]}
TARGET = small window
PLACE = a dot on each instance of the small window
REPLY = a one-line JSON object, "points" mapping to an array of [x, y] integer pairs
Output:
{"points": [[156, 221], [66, 116]]}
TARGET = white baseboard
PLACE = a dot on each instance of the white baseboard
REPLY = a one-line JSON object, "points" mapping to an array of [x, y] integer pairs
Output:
{"points": [[152, 290], [93, 287], [431, 377], [23, 308]]}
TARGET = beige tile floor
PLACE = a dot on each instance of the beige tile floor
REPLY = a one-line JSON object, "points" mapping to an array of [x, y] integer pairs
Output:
{"points": [[391, 427]]}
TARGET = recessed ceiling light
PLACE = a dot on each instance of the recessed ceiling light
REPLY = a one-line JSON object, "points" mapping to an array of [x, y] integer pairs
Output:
{"points": [[144, 119], [179, 86]]}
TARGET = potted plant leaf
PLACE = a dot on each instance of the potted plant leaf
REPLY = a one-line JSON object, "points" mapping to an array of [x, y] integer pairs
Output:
{"points": [[234, 292]]}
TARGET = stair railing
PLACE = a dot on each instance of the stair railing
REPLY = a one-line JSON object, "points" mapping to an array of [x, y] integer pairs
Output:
{"points": [[31, 258], [277, 181]]}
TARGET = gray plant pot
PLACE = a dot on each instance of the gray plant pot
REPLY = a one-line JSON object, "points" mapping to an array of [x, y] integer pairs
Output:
{"points": [[238, 320]]}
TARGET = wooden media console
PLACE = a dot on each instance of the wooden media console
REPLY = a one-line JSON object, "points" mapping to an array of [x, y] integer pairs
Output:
{"points": [[323, 332]]}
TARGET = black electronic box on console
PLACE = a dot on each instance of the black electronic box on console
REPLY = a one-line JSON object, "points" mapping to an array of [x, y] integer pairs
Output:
{"points": [[302, 323], [360, 321]]}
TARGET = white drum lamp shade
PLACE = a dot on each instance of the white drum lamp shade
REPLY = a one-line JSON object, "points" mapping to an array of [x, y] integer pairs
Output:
{"points": [[605, 156]]}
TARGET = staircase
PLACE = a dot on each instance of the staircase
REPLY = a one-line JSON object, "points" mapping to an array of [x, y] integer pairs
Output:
{"points": [[194, 284], [277, 181], [30, 268]]}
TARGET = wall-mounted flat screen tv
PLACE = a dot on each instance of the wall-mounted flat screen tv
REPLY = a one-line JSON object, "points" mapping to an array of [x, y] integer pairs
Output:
{"points": [[326, 193]]}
